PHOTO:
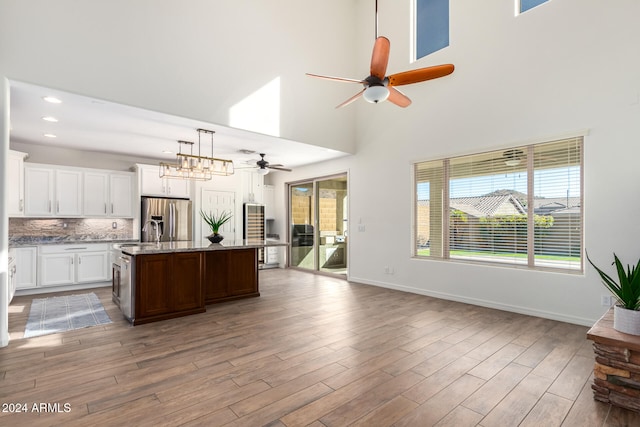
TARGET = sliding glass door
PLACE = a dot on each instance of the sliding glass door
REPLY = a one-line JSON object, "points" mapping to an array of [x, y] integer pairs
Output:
{"points": [[303, 220], [318, 211]]}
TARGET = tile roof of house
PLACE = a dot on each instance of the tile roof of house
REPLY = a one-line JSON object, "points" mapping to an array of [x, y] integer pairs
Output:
{"points": [[481, 206], [485, 205]]}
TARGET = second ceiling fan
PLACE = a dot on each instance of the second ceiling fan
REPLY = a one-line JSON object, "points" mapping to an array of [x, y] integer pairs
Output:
{"points": [[379, 87]]}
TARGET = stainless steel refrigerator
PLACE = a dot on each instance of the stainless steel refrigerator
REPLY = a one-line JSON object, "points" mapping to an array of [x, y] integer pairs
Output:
{"points": [[171, 218]]}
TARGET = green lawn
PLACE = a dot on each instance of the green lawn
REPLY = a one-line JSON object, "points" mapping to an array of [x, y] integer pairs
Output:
{"points": [[426, 252]]}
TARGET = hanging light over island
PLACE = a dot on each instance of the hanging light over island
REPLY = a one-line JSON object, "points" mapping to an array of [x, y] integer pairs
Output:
{"points": [[196, 166]]}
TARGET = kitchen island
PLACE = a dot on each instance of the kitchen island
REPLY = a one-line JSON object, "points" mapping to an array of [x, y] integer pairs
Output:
{"points": [[160, 281]]}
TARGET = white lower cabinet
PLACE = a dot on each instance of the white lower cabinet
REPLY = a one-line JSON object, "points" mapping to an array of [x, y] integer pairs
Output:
{"points": [[61, 265], [56, 269], [26, 267]]}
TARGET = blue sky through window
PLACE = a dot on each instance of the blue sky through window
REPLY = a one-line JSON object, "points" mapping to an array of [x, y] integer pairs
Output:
{"points": [[566, 184], [432, 26], [530, 4]]}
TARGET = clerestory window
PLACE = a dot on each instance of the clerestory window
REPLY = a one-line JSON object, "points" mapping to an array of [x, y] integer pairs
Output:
{"points": [[524, 5], [431, 26]]}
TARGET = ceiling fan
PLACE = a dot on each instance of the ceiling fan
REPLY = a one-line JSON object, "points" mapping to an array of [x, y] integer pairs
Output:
{"points": [[379, 87], [264, 166]]}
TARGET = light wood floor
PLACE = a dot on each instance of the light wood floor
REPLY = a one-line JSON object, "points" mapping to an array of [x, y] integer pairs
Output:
{"points": [[312, 350]]}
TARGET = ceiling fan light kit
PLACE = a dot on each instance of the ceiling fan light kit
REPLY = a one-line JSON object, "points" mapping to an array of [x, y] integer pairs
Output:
{"points": [[375, 94], [196, 167]]}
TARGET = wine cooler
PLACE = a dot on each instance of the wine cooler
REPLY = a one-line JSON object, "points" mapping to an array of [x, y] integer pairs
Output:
{"points": [[254, 226]]}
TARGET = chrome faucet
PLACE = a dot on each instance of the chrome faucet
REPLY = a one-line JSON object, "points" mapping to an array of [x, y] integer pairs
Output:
{"points": [[156, 227]]}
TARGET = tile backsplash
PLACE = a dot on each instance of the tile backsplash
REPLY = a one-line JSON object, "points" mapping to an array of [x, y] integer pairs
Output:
{"points": [[21, 229]]}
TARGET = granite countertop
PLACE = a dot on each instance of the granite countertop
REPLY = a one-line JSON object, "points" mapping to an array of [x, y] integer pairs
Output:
{"points": [[40, 241], [149, 248]]}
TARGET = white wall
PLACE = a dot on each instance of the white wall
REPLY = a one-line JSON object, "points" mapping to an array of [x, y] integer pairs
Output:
{"points": [[563, 67], [4, 219]]}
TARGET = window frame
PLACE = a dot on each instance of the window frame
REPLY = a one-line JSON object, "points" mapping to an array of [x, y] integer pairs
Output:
{"points": [[444, 233]]}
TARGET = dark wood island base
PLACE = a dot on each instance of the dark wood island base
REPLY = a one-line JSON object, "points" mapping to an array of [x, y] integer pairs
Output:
{"points": [[171, 282]]}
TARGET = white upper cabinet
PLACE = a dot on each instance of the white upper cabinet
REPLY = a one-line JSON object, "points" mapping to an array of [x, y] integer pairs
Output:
{"points": [[152, 185], [15, 178], [108, 194], [77, 192], [68, 192], [38, 189], [121, 195], [252, 184], [150, 182], [52, 192], [96, 194], [268, 195]]}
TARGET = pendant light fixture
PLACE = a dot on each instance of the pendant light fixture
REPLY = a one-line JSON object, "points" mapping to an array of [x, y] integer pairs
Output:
{"points": [[195, 167]]}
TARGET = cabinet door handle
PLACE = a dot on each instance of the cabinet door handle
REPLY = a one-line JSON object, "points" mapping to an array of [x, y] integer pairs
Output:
{"points": [[111, 207], [105, 208], [49, 206], [58, 206], [21, 205], [79, 260], [71, 260]]}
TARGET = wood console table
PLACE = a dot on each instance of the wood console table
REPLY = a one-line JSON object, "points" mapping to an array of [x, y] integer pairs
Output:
{"points": [[617, 368]]}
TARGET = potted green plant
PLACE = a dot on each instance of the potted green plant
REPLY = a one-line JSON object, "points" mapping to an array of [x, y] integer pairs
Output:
{"points": [[215, 222], [626, 314]]}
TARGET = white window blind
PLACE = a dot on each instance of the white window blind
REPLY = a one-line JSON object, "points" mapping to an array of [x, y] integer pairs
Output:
{"points": [[519, 206], [558, 197]]}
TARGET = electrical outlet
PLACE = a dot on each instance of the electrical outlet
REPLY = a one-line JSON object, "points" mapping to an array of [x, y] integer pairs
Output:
{"points": [[361, 227], [606, 300], [65, 225], [114, 225]]}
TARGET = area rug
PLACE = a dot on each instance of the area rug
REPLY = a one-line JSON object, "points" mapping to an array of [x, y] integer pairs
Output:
{"points": [[59, 314]]}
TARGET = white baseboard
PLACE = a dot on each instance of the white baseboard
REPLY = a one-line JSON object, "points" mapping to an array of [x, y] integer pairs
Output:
{"points": [[50, 289], [561, 317]]}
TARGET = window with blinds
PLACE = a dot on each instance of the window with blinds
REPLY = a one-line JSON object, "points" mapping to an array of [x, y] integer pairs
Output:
{"points": [[520, 206]]}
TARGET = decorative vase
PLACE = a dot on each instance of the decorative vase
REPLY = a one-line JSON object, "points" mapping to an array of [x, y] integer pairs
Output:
{"points": [[626, 321], [215, 238]]}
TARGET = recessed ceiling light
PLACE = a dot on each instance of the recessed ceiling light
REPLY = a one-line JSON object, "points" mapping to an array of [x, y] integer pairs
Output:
{"points": [[50, 135], [52, 99], [167, 151], [50, 119]]}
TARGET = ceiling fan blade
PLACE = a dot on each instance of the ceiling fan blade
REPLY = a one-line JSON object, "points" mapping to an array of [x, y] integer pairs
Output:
{"points": [[350, 100], [279, 168], [339, 79], [380, 57], [398, 98], [420, 75]]}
